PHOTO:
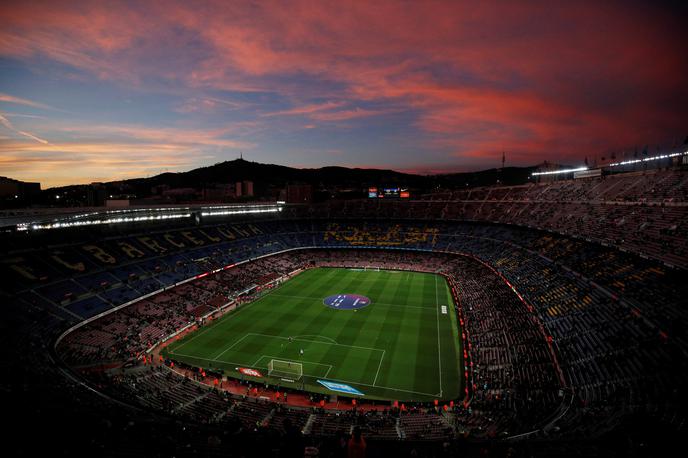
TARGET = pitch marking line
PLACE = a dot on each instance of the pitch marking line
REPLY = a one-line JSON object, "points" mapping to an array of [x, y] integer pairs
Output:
{"points": [[378, 367], [328, 372], [195, 337], [173, 353], [234, 312], [216, 357], [332, 379], [316, 335], [279, 358], [317, 342], [381, 387], [255, 364], [439, 348], [231, 346], [302, 362]]}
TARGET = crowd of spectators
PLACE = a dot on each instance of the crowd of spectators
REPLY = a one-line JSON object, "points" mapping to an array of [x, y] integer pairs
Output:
{"points": [[518, 383], [642, 212]]}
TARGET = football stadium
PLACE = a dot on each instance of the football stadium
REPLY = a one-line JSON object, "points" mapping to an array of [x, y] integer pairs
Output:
{"points": [[448, 317], [343, 229]]}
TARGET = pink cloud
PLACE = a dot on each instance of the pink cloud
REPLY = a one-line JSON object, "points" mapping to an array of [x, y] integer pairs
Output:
{"points": [[8, 125], [537, 80], [21, 101], [308, 109]]}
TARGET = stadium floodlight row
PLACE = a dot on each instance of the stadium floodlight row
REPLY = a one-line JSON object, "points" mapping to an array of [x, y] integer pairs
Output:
{"points": [[142, 215], [614, 164]]}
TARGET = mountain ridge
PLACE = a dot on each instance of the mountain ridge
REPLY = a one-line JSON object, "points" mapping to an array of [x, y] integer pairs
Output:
{"points": [[275, 175]]}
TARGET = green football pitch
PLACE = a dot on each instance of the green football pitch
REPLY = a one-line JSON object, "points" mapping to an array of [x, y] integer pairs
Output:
{"points": [[404, 345]]}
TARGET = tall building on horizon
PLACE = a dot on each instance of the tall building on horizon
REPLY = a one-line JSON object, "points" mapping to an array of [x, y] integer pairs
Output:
{"points": [[244, 188]]}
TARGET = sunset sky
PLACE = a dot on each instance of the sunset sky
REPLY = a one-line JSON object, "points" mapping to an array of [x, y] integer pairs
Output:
{"points": [[93, 91]]}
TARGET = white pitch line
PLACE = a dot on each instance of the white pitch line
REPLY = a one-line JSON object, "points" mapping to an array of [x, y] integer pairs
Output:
{"points": [[208, 328], [232, 346], [317, 342], [234, 312], [439, 348], [207, 359], [381, 387], [378, 367], [328, 371], [316, 335], [293, 360], [302, 362], [331, 379]]}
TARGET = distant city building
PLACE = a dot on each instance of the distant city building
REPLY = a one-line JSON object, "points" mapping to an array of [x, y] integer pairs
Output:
{"points": [[159, 189], [180, 194], [218, 192], [299, 193], [243, 188], [15, 189], [96, 194], [117, 203]]}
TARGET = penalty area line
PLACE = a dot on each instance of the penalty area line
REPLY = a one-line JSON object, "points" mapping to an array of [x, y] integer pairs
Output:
{"points": [[379, 366], [315, 341], [331, 379], [237, 310], [231, 346]]}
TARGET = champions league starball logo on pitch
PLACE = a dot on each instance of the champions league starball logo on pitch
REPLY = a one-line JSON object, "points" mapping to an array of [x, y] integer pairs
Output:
{"points": [[346, 301]]}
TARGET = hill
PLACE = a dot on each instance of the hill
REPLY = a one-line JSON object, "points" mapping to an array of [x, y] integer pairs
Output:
{"points": [[268, 179], [279, 175]]}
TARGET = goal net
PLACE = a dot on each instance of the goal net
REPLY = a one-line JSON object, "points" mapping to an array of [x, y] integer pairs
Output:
{"points": [[376, 269], [287, 369]]}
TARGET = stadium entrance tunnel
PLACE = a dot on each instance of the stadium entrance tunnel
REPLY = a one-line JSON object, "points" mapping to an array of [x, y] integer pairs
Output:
{"points": [[346, 301]]}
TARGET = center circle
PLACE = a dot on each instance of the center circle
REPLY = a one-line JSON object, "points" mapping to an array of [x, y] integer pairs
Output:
{"points": [[346, 301]]}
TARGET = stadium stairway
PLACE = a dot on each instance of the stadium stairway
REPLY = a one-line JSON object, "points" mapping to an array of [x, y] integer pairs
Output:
{"points": [[400, 432], [309, 424], [183, 405]]}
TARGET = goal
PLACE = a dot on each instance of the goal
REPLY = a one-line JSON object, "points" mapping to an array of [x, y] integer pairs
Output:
{"points": [[376, 269], [287, 369]]}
